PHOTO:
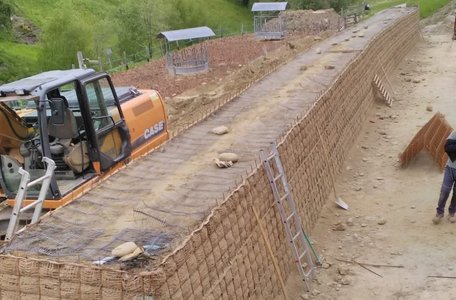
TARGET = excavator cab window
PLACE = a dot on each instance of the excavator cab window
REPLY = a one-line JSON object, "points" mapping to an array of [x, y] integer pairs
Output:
{"points": [[111, 135], [52, 127], [19, 142]]}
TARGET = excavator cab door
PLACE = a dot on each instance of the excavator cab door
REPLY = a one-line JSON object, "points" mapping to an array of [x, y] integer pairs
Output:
{"points": [[109, 136]]}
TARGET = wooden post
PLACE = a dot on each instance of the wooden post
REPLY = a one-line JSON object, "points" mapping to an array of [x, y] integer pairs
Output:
{"points": [[80, 60], [269, 250], [100, 63], [125, 60]]}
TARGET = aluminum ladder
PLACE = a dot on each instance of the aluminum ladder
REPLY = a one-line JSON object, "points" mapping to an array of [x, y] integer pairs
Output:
{"points": [[300, 244], [22, 194]]}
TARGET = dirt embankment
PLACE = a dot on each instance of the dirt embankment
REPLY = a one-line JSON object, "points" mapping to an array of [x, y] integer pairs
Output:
{"points": [[235, 63]]}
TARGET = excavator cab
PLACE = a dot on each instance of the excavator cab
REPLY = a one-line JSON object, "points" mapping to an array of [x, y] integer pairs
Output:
{"points": [[73, 117]]}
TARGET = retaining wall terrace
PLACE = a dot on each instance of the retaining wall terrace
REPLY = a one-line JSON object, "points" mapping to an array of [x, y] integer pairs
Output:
{"points": [[228, 256]]}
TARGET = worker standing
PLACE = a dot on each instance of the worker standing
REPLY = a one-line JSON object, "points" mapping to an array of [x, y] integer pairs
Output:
{"points": [[454, 26], [449, 180]]}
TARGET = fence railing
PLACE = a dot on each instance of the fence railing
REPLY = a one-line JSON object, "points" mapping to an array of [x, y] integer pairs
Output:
{"points": [[113, 62]]}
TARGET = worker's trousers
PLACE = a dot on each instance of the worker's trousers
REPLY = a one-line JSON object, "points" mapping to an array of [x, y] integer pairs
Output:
{"points": [[449, 179]]}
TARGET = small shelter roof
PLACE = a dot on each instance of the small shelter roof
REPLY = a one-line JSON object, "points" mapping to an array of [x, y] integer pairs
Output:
{"points": [[269, 6], [187, 34]]}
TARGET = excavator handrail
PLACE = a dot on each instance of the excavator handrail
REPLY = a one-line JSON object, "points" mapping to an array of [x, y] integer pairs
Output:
{"points": [[22, 193]]}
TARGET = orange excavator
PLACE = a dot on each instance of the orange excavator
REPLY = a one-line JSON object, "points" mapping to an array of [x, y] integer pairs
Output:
{"points": [[77, 118]]}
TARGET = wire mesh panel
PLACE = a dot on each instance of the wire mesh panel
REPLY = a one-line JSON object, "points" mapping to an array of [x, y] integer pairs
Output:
{"points": [[268, 24], [269, 27], [191, 59]]}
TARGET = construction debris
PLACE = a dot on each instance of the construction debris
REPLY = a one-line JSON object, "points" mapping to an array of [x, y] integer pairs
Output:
{"points": [[431, 137], [371, 265], [223, 164], [385, 95]]}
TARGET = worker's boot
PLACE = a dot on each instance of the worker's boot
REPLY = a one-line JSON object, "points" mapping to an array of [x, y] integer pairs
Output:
{"points": [[438, 217], [452, 218]]}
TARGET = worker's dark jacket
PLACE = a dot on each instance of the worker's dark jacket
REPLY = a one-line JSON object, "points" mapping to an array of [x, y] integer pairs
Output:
{"points": [[450, 149]]}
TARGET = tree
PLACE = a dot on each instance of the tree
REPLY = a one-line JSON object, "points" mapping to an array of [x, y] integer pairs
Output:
{"points": [[130, 27], [62, 39], [6, 12], [190, 13]]}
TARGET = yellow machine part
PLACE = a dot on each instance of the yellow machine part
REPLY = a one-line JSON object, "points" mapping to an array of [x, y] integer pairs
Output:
{"points": [[146, 118], [13, 131]]}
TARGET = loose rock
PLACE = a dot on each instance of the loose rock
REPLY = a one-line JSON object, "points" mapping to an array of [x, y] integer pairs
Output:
{"points": [[124, 249], [343, 271], [138, 251], [381, 222], [220, 130], [233, 157], [315, 292], [429, 108], [326, 265], [338, 227]]}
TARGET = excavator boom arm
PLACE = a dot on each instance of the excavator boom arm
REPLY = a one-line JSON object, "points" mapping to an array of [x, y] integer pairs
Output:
{"points": [[13, 130]]}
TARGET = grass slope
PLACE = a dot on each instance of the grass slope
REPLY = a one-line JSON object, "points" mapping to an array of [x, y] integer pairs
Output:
{"points": [[18, 60], [225, 13], [427, 7]]}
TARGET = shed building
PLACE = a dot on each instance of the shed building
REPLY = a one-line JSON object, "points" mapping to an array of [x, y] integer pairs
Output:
{"points": [[185, 50], [268, 24]]}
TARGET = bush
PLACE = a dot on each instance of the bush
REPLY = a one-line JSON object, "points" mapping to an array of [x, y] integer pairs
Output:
{"points": [[6, 12], [63, 38]]}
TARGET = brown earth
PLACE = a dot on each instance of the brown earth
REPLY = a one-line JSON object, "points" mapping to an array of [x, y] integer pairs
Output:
{"points": [[225, 56], [390, 209], [389, 218], [235, 62]]}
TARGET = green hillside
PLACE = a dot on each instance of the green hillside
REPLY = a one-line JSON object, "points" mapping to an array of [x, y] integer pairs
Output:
{"points": [[128, 27], [427, 7], [95, 25]]}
